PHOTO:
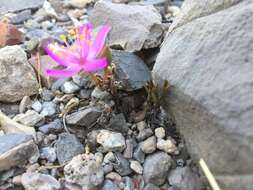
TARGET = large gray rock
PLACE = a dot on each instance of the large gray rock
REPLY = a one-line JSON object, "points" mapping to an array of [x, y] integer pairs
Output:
{"points": [[16, 150], [192, 9], [17, 78], [208, 63], [133, 26]]}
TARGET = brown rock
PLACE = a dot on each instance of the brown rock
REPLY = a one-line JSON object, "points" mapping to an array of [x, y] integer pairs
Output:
{"points": [[9, 34]]}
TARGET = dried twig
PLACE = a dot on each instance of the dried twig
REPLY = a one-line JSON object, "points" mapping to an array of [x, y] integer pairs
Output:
{"points": [[213, 183]]}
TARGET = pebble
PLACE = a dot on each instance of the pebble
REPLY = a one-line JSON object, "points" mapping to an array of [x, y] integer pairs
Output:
{"points": [[47, 95], [115, 177], [85, 170], [111, 141], [122, 165], [48, 153], [30, 118], [128, 152], [85, 93], [166, 146], [139, 154], [149, 145], [37, 106], [48, 109], [143, 134], [160, 132], [69, 87], [156, 168], [107, 168], [25, 102], [85, 117], [97, 93], [37, 181], [109, 185], [81, 81], [136, 166], [118, 123], [54, 126], [67, 146], [109, 158]]}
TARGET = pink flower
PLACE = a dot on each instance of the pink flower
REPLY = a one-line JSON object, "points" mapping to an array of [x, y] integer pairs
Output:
{"points": [[83, 54]]}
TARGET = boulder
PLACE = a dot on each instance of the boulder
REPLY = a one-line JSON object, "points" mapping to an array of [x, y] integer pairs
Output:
{"points": [[133, 26], [208, 63], [17, 78], [192, 9]]}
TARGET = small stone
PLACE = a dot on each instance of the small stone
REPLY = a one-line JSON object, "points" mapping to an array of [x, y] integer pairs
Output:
{"points": [[118, 123], [128, 152], [100, 94], [19, 5], [48, 109], [69, 87], [160, 132], [37, 106], [136, 166], [114, 177], [48, 153], [80, 4], [143, 134], [109, 158], [166, 146], [20, 17], [47, 95], [156, 168], [30, 118], [10, 35], [141, 125], [86, 171], [54, 126], [111, 141], [149, 145], [107, 168], [129, 184], [85, 117], [109, 185], [67, 146], [25, 102], [56, 85], [151, 186], [16, 150], [37, 181], [17, 76], [85, 93], [122, 165], [139, 154], [17, 180], [185, 178], [81, 81]]}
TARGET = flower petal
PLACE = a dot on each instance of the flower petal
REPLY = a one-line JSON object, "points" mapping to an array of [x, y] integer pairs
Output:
{"points": [[99, 41], [61, 55], [95, 65], [68, 72]]}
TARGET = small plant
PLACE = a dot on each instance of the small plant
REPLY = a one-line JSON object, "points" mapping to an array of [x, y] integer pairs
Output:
{"points": [[156, 94]]}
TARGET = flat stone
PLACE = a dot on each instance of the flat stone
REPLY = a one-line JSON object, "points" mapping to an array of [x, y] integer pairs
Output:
{"points": [[85, 170], [142, 29], [111, 141], [136, 166], [37, 181], [131, 71], [16, 150], [67, 146], [30, 118], [48, 108], [20, 17], [69, 87], [54, 126], [85, 117], [17, 78], [156, 168]]}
